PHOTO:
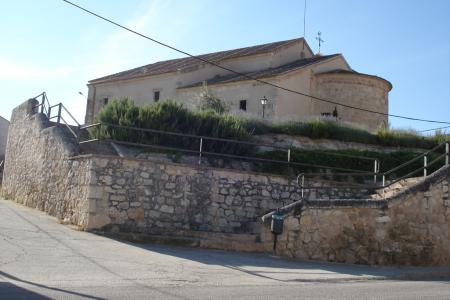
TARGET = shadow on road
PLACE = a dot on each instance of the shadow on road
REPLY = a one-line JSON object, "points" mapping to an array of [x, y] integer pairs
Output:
{"points": [[17, 291], [11, 291], [285, 270]]}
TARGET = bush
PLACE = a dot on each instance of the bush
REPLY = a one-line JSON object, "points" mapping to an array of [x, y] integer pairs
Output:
{"points": [[331, 130], [326, 158], [172, 117]]}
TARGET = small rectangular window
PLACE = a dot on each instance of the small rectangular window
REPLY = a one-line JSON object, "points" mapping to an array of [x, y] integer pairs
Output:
{"points": [[156, 95], [105, 101], [243, 105]]}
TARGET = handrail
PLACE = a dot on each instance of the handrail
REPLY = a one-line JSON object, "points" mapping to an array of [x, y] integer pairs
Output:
{"points": [[47, 108], [68, 112], [208, 138], [99, 124], [414, 159]]}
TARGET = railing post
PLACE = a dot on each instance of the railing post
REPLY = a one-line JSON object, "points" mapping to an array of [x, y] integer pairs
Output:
{"points": [[447, 153], [97, 135], [200, 152], [42, 103], [376, 169], [303, 183], [289, 155], [59, 113], [383, 183], [425, 163]]}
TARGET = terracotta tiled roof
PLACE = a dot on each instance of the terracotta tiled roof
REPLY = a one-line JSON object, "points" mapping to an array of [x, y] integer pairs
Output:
{"points": [[174, 65], [264, 73]]}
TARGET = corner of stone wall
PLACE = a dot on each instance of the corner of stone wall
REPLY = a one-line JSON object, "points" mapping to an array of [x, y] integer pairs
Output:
{"points": [[97, 204]]}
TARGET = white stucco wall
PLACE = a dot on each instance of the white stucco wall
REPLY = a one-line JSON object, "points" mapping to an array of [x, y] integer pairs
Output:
{"points": [[294, 107], [362, 91], [4, 125], [141, 89], [232, 93]]}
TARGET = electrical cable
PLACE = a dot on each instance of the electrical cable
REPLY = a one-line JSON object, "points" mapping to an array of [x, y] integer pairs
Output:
{"points": [[248, 76]]}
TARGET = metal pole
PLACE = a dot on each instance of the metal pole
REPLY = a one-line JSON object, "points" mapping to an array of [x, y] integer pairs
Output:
{"points": [[264, 106], [375, 170], [447, 153], [99, 127], [425, 166], [384, 184], [42, 104], [200, 152], [303, 183], [59, 113], [289, 155]]}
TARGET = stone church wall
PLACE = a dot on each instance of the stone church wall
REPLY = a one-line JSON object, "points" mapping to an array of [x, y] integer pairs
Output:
{"points": [[358, 90]]}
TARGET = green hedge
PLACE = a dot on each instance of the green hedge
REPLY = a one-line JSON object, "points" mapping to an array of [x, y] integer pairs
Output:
{"points": [[334, 131], [326, 158], [173, 117]]}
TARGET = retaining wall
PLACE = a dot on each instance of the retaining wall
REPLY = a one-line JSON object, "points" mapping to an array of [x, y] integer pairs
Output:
{"points": [[412, 228], [218, 208], [37, 170]]}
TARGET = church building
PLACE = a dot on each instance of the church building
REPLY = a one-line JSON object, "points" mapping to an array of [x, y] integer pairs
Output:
{"points": [[290, 64]]}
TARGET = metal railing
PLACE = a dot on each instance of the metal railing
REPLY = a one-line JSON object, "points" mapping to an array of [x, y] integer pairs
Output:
{"points": [[205, 141], [45, 108], [371, 180], [385, 178]]}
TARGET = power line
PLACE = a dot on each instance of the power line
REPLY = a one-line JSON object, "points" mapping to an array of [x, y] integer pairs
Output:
{"points": [[248, 76], [434, 129]]}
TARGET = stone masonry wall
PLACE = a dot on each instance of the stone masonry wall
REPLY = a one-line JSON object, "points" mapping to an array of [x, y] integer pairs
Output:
{"points": [[165, 198], [37, 170], [410, 229]]}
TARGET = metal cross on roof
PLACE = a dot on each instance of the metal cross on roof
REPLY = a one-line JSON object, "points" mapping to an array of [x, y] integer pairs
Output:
{"points": [[319, 38]]}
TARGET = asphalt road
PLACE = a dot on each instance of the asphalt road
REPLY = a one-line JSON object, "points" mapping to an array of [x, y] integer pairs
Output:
{"points": [[40, 259]]}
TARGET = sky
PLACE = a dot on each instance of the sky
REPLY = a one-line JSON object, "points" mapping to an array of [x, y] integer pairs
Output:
{"points": [[50, 46]]}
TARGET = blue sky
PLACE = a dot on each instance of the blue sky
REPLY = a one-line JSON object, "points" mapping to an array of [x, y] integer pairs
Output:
{"points": [[50, 46]]}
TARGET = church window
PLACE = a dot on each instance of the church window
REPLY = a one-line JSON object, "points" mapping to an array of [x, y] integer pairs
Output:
{"points": [[156, 95], [105, 101], [243, 105]]}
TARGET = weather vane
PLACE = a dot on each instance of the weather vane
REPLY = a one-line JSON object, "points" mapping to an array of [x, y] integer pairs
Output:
{"points": [[319, 38]]}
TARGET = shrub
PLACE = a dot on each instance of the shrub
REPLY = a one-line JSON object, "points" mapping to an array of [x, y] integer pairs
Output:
{"points": [[388, 162], [317, 129], [173, 117], [211, 102]]}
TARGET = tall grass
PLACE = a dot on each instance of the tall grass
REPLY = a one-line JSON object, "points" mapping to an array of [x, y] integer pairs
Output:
{"points": [[172, 117], [317, 129]]}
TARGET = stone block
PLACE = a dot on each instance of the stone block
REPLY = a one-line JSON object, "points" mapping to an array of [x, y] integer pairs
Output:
{"points": [[119, 198], [384, 219], [123, 205], [95, 191], [167, 209], [120, 181], [292, 223], [136, 214]]}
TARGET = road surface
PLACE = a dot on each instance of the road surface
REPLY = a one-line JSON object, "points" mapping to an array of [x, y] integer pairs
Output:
{"points": [[41, 259]]}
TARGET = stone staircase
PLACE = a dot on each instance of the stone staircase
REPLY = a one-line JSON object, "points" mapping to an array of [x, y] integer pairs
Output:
{"points": [[396, 188]]}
